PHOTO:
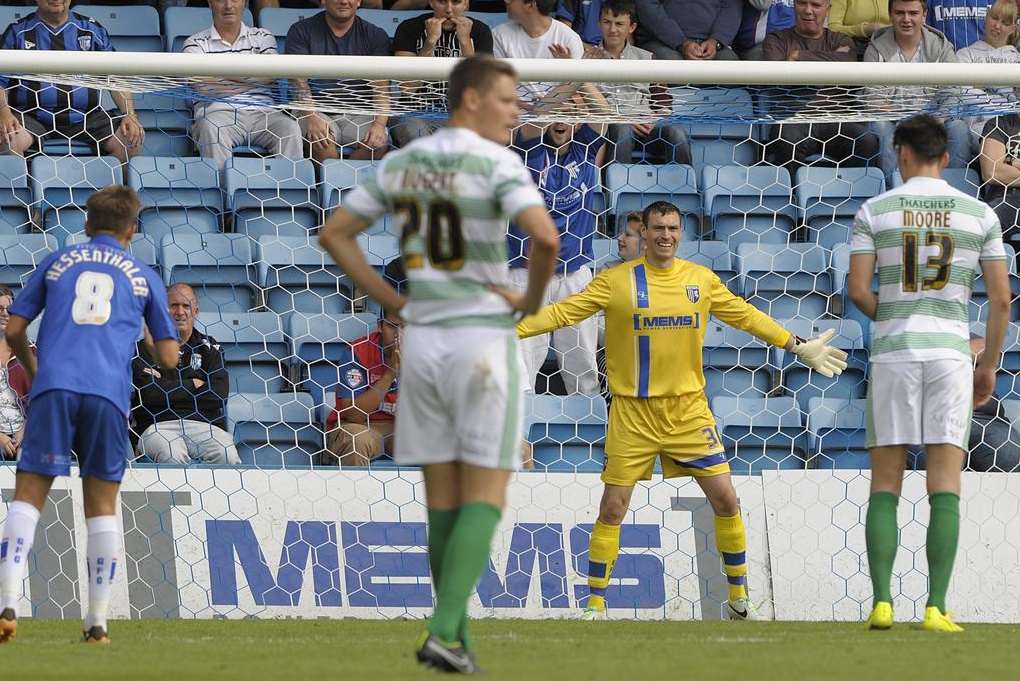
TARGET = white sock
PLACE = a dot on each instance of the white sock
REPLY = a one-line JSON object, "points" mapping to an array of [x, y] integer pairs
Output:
{"points": [[103, 553], [15, 543]]}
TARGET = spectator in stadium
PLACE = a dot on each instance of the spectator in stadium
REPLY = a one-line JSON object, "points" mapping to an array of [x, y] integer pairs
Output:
{"points": [[531, 33], [660, 139], [32, 112], [584, 17], [446, 32], [565, 161], [859, 19], [962, 21], [629, 242], [14, 386], [909, 40], [242, 113], [794, 144], [179, 413], [1000, 171], [689, 29], [994, 444], [360, 427], [995, 48], [759, 18], [339, 31]]}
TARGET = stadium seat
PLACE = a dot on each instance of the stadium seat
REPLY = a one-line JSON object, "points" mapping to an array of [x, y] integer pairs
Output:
{"points": [[605, 251], [736, 364], [255, 349], [761, 433], [321, 348], [840, 303], [15, 195], [178, 195], [166, 118], [272, 196], [723, 152], [978, 310], [379, 249], [702, 107], [490, 19], [62, 185], [1007, 384], [829, 198], [218, 266], [786, 280], [835, 433], [297, 275], [567, 433], [967, 180], [387, 19], [749, 204], [715, 255], [274, 431], [339, 177], [19, 256], [8, 15], [634, 186], [182, 22], [143, 247], [278, 20], [131, 28], [805, 384]]}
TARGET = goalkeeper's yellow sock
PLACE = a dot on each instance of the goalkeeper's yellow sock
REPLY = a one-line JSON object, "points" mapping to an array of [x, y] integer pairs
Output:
{"points": [[602, 553], [732, 544]]}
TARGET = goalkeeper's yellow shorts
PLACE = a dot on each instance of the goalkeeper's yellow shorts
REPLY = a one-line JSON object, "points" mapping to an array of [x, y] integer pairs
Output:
{"points": [[679, 429]]}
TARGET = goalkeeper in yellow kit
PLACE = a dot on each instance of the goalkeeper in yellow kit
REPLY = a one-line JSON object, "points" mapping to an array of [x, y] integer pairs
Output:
{"points": [[656, 309]]}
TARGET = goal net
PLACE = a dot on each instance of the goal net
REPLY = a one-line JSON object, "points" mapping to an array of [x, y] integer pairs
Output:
{"points": [[767, 164]]}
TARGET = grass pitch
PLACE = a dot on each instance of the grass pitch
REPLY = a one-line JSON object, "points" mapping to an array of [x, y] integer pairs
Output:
{"points": [[294, 650]]}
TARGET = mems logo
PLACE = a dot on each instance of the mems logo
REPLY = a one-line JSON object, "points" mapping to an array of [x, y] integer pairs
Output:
{"points": [[688, 321]]}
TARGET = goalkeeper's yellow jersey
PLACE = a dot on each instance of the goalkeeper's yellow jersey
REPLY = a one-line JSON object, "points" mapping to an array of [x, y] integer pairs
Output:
{"points": [[655, 324]]}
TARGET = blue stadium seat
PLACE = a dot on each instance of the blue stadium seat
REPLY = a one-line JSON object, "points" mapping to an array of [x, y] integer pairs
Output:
{"points": [[761, 433], [1007, 384], [179, 195], [567, 433], [702, 107], [182, 22], [297, 275], [278, 20], [829, 198], [340, 176], [132, 29], [841, 304], [272, 196], [273, 431], [605, 251], [736, 364], [749, 205], [15, 195], [62, 185], [979, 293], [218, 266], [490, 19], [836, 435], [379, 249], [166, 118], [19, 256], [321, 348], [967, 180], [633, 186], [8, 15], [786, 280], [1011, 408], [724, 152], [255, 349], [715, 255], [805, 384], [387, 19], [143, 247]]}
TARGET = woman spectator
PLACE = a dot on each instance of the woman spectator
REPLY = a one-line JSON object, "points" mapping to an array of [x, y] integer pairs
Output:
{"points": [[997, 47], [14, 385], [1000, 170], [859, 19]]}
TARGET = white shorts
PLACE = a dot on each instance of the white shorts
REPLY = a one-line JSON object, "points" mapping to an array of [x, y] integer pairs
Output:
{"points": [[920, 403], [461, 397]]}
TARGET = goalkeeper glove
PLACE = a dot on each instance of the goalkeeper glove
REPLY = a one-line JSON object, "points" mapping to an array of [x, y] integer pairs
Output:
{"points": [[817, 354]]}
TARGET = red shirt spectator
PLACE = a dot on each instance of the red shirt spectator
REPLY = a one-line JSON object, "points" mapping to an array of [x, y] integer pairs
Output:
{"points": [[355, 378]]}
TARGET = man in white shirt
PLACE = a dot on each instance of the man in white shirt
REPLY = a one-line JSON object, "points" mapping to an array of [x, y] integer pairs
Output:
{"points": [[238, 112], [532, 33]]}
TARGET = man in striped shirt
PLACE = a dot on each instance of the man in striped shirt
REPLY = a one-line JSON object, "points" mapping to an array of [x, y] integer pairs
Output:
{"points": [[928, 240], [32, 110], [237, 112]]}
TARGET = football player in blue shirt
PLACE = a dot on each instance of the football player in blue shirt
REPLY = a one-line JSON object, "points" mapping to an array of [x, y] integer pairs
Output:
{"points": [[95, 296]]}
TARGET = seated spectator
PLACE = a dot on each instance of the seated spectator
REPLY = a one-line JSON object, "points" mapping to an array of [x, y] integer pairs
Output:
{"points": [[179, 413], [962, 21], [532, 33], [14, 386], [339, 31], [859, 19], [243, 114], [360, 428], [447, 32], [689, 29], [32, 112], [795, 144], [661, 139], [909, 40], [1000, 170], [994, 444], [759, 18], [996, 48], [584, 17]]}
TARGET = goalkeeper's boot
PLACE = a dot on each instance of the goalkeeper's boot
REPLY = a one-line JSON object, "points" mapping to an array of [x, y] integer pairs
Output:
{"points": [[741, 610], [881, 616], [95, 635], [445, 657], [593, 614], [936, 620], [8, 625]]}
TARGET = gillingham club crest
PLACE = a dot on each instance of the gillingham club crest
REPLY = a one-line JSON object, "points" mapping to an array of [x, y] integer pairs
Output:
{"points": [[353, 378], [693, 294]]}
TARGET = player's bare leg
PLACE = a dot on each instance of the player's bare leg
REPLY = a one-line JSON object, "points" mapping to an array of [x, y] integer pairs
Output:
{"points": [[604, 547], [103, 549], [731, 540], [30, 491], [944, 464], [882, 530]]}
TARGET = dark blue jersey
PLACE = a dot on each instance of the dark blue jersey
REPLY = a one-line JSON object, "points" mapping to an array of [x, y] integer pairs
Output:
{"points": [[54, 105], [95, 296]]}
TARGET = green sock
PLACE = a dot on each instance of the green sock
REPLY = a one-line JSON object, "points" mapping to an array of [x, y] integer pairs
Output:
{"points": [[882, 534], [441, 524], [466, 557], [943, 535]]}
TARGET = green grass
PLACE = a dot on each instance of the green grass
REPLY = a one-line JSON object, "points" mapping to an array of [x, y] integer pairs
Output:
{"points": [[294, 650]]}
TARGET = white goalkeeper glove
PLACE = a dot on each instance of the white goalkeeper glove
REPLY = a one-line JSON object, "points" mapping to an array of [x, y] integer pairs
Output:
{"points": [[817, 354]]}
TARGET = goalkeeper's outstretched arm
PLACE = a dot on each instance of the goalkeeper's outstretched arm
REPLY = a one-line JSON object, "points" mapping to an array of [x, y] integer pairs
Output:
{"points": [[569, 311]]}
